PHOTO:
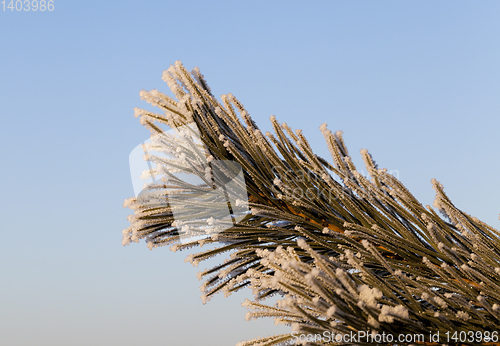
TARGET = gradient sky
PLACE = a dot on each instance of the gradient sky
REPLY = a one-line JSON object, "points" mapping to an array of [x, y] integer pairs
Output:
{"points": [[415, 82]]}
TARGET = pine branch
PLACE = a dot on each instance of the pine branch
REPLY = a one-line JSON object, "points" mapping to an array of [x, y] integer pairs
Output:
{"points": [[347, 252]]}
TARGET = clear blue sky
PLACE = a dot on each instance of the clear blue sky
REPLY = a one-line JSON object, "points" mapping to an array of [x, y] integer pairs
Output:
{"points": [[415, 82]]}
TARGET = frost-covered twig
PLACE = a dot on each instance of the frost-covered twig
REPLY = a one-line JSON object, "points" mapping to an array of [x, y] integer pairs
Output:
{"points": [[346, 252]]}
